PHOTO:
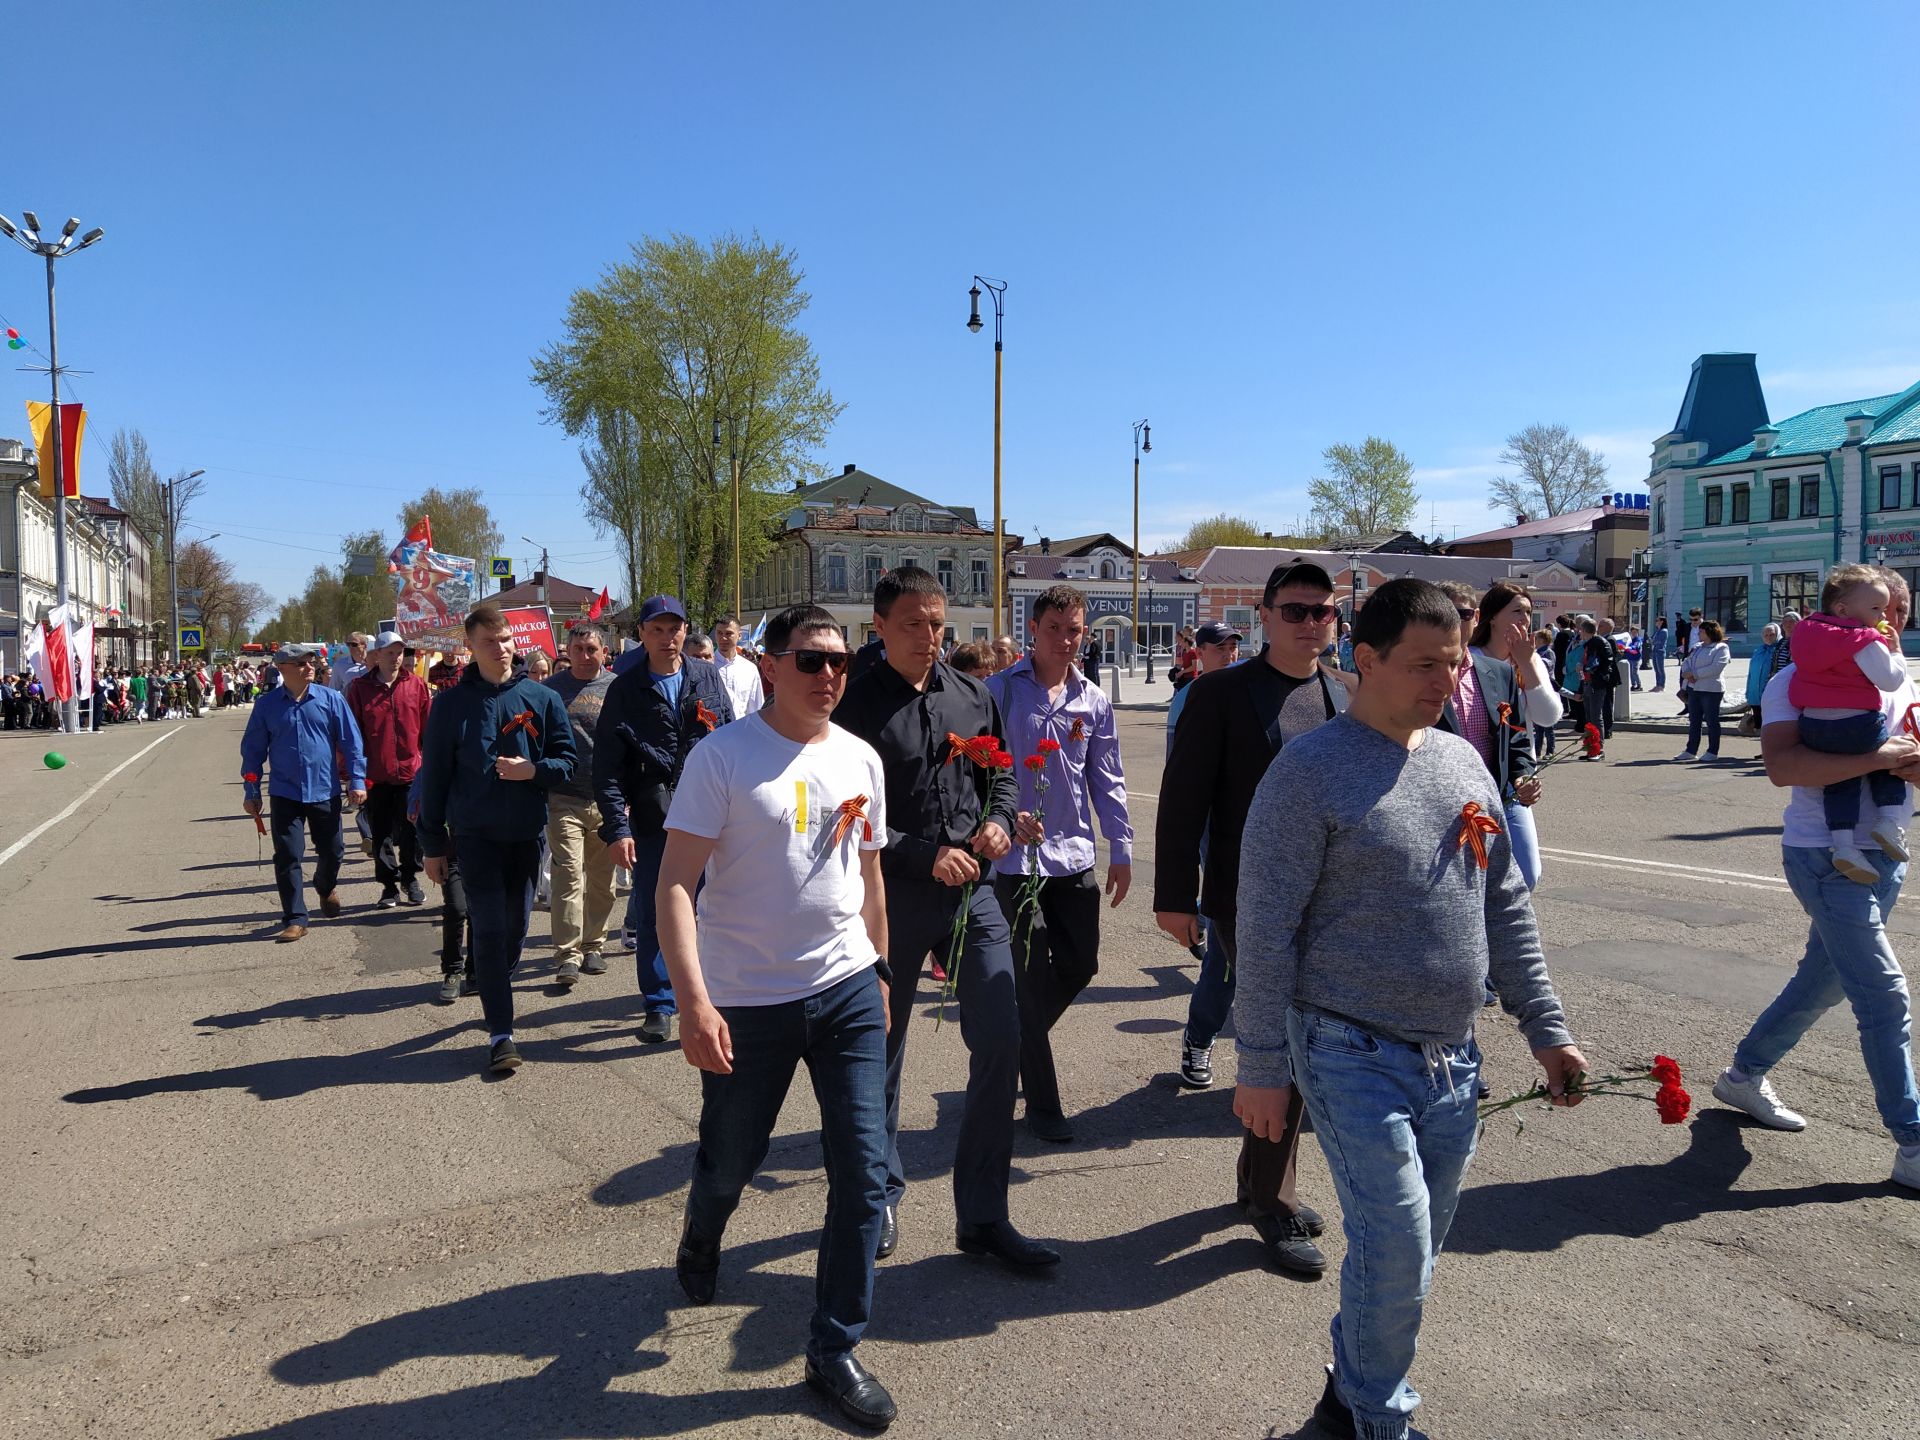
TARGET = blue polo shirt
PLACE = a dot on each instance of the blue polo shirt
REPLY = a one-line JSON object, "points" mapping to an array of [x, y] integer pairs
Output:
{"points": [[294, 745]]}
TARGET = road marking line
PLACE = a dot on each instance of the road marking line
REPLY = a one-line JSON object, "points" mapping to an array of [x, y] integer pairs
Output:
{"points": [[1636, 863], [1773, 889], [46, 825]]}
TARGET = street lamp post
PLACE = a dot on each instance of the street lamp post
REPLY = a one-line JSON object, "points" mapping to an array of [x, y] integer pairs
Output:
{"points": [[1142, 443], [52, 250], [998, 289], [173, 558]]}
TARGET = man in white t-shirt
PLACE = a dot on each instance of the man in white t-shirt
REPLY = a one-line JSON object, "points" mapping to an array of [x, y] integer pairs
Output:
{"points": [[1849, 955], [784, 813], [740, 675]]}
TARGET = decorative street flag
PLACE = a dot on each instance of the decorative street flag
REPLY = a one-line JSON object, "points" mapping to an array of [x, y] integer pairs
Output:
{"points": [[73, 424], [599, 603]]}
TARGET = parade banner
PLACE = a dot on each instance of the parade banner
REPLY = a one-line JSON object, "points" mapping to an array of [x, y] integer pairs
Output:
{"points": [[532, 630], [73, 425], [432, 594]]}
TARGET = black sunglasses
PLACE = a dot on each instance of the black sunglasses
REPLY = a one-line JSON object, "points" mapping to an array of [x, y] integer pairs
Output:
{"points": [[812, 662], [1293, 613], [1465, 615]]}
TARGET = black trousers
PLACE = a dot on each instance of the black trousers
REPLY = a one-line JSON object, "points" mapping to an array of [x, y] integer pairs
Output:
{"points": [[1267, 1170], [292, 822], [455, 944], [1056, 953], [387, 819]]}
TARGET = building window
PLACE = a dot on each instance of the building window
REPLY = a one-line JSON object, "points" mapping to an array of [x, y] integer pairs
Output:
{"points": [[1889, 487], [1782, 503], [876, 567], [1809, 497], [1725, 600], [1714, 500], [1796, 590], [836, 574], [1660, 515], [981, 582], [907, 557], [1742, 504], [979, 632], [945, 569]]}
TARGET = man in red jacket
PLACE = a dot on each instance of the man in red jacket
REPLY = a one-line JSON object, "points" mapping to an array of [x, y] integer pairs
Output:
{"points": [[391, 704]]}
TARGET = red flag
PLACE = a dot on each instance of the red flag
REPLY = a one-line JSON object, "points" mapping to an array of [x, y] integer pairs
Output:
{"points": [[600, 602], [421, 530], [59, 653]]}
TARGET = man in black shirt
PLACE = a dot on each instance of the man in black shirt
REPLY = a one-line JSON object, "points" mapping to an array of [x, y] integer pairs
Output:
{"points": [[948, 818]]}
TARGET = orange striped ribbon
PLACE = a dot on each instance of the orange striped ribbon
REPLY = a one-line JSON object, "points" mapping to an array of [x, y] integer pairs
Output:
{"points": [[848, 812], [980, 749], [705, 716], [523, 721], [1474, 828]]}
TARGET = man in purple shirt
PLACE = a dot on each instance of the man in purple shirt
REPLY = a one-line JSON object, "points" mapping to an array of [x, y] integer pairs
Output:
{"points": [[1060, 731]]}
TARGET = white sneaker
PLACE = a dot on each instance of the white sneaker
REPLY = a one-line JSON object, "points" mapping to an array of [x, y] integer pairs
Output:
{"points": [[1756, 1097], [1684, 755], [1892, 839], [1853, 863], [1906, 1168]]}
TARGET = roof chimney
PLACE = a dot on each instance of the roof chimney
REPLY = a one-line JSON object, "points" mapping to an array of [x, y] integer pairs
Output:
{"points": [[849, 469], [1046, 545]]}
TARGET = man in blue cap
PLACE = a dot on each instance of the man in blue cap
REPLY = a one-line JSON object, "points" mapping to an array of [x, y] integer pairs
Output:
{"points": [[655, 713], [299, 735]]}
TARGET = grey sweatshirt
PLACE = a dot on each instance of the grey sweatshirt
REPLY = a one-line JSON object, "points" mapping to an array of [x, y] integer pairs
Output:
{"points": [[1357, 899]]}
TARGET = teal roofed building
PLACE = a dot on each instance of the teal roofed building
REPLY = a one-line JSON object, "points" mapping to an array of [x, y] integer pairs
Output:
{"points": [[1749, 513]]}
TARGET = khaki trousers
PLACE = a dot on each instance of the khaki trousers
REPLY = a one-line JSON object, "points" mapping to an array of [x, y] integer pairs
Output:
{"points": [[582, 877]]}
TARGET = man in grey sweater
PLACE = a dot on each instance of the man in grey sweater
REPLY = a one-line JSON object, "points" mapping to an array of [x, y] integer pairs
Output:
{"points": [[1378, 894]]}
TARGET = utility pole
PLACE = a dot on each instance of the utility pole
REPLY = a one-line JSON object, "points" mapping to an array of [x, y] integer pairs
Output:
{"points": [[173, 546], [540, 579]]}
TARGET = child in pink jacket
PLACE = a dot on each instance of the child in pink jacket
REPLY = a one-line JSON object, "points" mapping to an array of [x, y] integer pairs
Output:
{"points": [[1844, 660]]}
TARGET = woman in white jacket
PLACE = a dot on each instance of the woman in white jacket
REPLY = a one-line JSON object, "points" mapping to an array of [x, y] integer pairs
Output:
{"points": [[1700, 675], [1504, 631]]}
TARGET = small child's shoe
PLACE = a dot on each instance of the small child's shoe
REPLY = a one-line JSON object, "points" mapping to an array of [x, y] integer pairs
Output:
{"points": [[1892, 839], [1852, 863]]}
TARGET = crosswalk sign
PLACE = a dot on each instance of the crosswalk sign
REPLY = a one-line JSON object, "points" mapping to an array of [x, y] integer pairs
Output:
{"points": [[191, 638], [500, 567]]}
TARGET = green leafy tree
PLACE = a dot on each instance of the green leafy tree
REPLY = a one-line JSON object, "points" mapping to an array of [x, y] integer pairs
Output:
{"points": [[366, 600], [1368, 488], [685, 355], [1226, 529]]}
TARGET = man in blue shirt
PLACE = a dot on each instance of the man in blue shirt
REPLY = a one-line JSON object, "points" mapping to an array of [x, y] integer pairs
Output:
{"points": [[300, 735]]}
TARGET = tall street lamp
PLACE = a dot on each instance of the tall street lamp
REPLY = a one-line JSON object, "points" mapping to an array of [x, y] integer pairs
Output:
{"points": [[173, 545], [1142, 444], [998, 289], [52, 250]]}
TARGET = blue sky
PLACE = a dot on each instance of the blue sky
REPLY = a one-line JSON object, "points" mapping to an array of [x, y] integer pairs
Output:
{"points": [[337, 232]]}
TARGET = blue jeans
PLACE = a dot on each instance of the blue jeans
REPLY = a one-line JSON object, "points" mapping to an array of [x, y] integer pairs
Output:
{"points": [[291, 822], [1543, 739], [1398, 1129], [1212, 999], [1848, 957], [656, 990], [1659, 671], [841, 1034], [1525, 841], [1703, 708], [1852, 735], [498, 877]]}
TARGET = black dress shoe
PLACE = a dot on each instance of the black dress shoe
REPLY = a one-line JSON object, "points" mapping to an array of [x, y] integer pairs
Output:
{"points": [[656, 1028], [1290, 1244], [1310, 1217], [1006, 1245], [698, 1266], [856, 1394], [1331, 1413], [889, 1231], [1053, 1128]]}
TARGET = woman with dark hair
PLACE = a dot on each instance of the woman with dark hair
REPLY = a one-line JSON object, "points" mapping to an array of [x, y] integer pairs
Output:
{"points": [[1504, 631], [1700, 673]]}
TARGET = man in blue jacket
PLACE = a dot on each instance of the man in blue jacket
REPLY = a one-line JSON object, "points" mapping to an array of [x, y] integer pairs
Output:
{"points": [[654, 714], [494, 747], [299, 735]]}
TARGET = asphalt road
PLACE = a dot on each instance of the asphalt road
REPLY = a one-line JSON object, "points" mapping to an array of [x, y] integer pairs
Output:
{"points": [[264, 1190]]}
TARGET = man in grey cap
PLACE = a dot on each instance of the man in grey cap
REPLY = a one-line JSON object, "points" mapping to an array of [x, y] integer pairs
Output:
{"points": [[298, 736]]}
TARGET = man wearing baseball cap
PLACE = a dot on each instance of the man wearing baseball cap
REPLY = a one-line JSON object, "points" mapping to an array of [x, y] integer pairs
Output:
{"points": [[391, 703], [655, 713], [1216, 645], [298, 736]]}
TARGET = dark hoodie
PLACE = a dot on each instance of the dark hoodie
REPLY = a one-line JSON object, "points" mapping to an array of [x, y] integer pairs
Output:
{"points": [[460, 791]]}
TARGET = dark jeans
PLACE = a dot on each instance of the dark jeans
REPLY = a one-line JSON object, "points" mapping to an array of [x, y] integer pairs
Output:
{"points": [[1543, 739], [1703, 707], [1056, 953], [920, 915], [386, 809], [1853, 735], [1267, 1170], [1599, 700], [1212, 999], [456, 943], [498, 876], [292, 822], [841, 1035], [656, 990]]}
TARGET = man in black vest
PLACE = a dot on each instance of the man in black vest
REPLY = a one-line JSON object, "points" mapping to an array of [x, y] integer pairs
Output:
{"points": [[1234, 724]]}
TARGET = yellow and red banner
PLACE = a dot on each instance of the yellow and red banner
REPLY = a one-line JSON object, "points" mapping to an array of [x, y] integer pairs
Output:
{"points": [[73, 424]]}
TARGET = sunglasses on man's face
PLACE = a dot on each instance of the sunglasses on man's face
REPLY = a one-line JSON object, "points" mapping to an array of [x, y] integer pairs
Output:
{"points": [[1294, 613], [1466, 616], [812, 662]]}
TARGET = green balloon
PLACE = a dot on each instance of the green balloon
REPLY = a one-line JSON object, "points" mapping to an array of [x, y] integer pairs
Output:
{"points": [[54, 760]]}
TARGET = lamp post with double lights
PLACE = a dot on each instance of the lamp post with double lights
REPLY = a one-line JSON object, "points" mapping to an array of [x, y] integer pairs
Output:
{"points": [[998, 289], [28, 237], [1142, 445]]}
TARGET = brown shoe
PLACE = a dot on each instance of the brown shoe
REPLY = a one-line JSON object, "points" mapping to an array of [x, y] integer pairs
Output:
{"points": [[330, 905], [291, 933]]}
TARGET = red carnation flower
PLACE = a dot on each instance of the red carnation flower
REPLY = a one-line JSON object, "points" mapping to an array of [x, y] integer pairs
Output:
{"points": [[1665, 1070], [1047, 747], [1591, 740], [1001, 760], [1673, 1103], [1036, 763]]}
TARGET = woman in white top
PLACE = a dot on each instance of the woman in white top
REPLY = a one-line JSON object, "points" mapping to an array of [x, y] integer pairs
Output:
{"points": [[1504, 631], [1700, 675]]}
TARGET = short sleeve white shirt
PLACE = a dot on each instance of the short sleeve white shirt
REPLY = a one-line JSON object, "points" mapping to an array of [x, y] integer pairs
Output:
{"points": [[779, 915], [1804, 825], [741, 677]]}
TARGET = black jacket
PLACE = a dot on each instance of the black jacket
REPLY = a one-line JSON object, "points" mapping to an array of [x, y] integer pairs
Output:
{"points": [[1511, 761], [459, 791], [930, 801], [1228, 734], [640, 745]]}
